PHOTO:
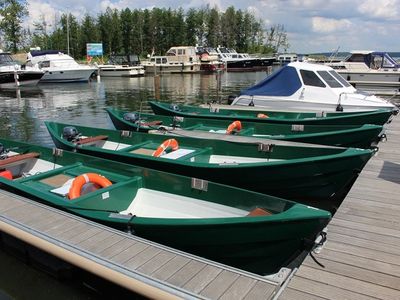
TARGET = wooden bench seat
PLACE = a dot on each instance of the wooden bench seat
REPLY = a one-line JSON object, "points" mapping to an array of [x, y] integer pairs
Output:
{"points": [[18, 158], [91, 139]]}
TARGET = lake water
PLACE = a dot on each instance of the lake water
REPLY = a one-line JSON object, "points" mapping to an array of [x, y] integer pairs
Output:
{"points": [[22, 114]]}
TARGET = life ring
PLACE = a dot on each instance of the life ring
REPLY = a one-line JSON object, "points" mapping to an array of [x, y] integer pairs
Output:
{"points": [[236, 125], [264, 116], [81, 180], [170, 143]]}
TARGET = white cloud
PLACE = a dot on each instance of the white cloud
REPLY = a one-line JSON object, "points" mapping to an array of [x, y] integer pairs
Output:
{"points": [[39, 11], [325, 25], [380, 9]]}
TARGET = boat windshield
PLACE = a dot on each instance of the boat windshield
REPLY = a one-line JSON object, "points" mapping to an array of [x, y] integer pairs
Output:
{"points": [[310, 78], [6, 60], [329, 79], [340, 78]]}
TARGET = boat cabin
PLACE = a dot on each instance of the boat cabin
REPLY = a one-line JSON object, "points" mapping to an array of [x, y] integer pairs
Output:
{"points": [[373, 59]]}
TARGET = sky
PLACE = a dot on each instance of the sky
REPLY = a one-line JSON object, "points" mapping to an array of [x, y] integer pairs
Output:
{"points": [[311, 25]]}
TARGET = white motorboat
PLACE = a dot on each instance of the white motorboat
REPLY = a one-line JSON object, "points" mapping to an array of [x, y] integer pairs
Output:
{"points": [[121, 66], [235, 61], [59, 67], [181, 59], [13, 75], [372, 71], [302, 86], [110, 70]]}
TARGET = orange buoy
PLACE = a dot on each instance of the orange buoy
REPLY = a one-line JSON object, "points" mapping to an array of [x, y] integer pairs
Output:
{"points": [[81, 180], [236, 125], [262, 116], [170, 143]]}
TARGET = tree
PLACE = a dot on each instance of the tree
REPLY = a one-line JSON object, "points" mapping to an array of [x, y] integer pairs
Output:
{"points": [[277, 38], [12, 13]]}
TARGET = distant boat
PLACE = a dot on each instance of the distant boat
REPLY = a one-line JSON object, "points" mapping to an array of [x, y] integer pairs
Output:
{"points": [[209, 59], [248, 230], [360, 136], [306, 86], [182, 59], [59, 67], [235, 61], [13, 75], [121, 66], [373, 71], [257, 114], [316, 175]]}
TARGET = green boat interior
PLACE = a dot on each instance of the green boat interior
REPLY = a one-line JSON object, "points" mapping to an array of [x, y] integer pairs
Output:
{"points": [[192, 154], [135, 198]]}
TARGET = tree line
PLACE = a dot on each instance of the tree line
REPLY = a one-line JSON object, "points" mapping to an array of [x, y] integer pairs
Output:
{"points": [[141, 31]]}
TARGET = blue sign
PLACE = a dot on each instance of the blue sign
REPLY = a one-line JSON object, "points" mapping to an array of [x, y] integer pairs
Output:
{"points": [[94, 49]]}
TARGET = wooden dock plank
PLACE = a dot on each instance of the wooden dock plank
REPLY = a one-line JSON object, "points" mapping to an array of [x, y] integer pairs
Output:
{"points": [[326, 290], [239, 288], [158, 261], [221, 283], [186, 273], [260, 290], [362, 254], [357, 272], [348, 283], [171, 267], [290, 293], [202, 279]]}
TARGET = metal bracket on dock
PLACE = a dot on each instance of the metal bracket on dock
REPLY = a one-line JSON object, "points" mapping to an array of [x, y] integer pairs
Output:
{"points": [[199, 184], [126, 133], [57, 152], [320, 114], [265, 147]]}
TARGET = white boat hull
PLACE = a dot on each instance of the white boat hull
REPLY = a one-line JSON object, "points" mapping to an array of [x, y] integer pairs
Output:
{"points": [[120, 71], [173, 68], [67, 75]]}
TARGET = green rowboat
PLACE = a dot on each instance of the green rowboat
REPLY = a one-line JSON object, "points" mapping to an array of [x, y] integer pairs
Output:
{"points": [[378, 117], [248, 230], [358, 136], [320, 176]]}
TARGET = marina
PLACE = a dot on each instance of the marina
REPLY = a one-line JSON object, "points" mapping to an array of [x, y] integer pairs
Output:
{"points": [[90, 110]]}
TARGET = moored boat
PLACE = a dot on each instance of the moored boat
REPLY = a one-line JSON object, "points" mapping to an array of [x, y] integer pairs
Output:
{"points": [[360, 136], [306, 86], [320, 176], [248, 230], [373, 71], [13, 75], [229, 112]]}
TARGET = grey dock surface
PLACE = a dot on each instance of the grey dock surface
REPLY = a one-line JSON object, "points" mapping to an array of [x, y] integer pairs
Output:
{"points": [[141, 266], [362, 253]]}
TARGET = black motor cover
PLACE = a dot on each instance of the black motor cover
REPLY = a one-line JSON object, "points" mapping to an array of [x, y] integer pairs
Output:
{"points": [[70, 133]]}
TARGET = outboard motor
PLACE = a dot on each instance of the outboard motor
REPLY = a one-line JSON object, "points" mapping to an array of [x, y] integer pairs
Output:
{"points": [[70, 133], [131, 117], [174, 107], [231, 98]]}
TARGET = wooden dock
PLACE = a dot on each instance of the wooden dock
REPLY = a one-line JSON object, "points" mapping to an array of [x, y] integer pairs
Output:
{"points": [[141, 266], [362, 253]]}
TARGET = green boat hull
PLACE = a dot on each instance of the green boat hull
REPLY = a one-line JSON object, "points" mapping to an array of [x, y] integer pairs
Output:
{"points": [[378, 117], [317, 176], [357, 136], [261, 244]]}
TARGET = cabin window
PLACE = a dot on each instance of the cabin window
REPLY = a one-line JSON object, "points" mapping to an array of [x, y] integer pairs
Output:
{"points": [[158, 61], [356, 58], [376, 62], [181, 51], [164, 60], [340, 78], [44, 64], [331, 81], [310, 78]]}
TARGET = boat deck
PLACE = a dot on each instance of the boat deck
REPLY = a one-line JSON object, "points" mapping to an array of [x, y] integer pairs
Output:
{"points": [[362, 253], [141, 266]]}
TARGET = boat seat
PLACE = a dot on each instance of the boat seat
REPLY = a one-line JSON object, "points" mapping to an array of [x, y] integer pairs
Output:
{"points": [[92, 139], [258, 211], [156, 204], [152, 123], [56, 180], [17, 159]]}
